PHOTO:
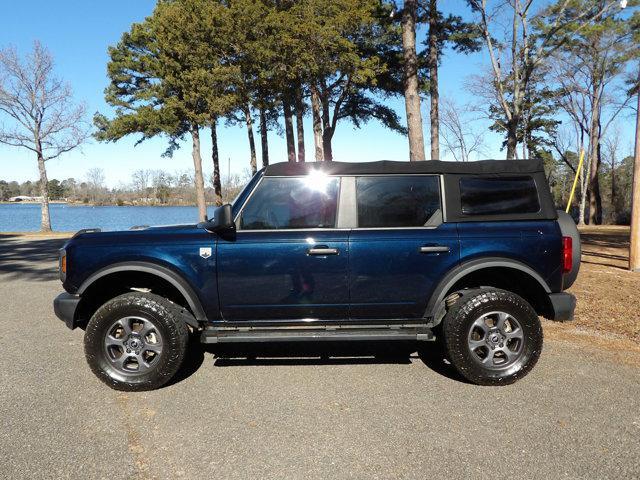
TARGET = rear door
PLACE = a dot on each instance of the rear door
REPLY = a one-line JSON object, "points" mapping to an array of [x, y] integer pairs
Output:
{"points": [[400, 248], [287, 260]]}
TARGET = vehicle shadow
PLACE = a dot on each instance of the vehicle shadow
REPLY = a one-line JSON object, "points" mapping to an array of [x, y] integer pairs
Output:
{"points": [[321, 353], [29, 259]]}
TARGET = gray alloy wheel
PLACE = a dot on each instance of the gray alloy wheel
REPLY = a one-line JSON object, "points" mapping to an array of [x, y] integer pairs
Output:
{"points": [[133, 345], [496, 340]]}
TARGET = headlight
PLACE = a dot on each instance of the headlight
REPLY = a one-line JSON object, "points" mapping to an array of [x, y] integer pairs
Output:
{"points": [[62, 264]]}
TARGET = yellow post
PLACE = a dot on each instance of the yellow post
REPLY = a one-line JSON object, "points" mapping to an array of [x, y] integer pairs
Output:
{"points": [[575, 180]]}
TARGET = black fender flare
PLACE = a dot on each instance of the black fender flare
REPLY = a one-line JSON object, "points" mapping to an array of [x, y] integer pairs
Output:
{"points": [[155, 269], [435, 306]]}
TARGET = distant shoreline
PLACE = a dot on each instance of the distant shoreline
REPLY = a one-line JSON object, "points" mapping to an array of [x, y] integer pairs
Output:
{"points": [[28, 202], [54, 234], [81, 204]]}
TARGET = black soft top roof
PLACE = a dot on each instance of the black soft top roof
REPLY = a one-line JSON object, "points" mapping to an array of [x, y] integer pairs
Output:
{"points": [[395, 167]]}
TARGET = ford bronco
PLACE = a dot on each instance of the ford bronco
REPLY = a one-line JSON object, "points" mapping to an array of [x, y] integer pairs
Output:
{"points": [[469, 253]]}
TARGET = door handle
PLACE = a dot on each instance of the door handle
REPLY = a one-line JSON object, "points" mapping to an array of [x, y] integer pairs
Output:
{"points": [[434, 249], [322, 250]]}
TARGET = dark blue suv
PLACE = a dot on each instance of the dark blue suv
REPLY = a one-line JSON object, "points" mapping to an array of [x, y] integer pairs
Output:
{"points": [[468, 253]]}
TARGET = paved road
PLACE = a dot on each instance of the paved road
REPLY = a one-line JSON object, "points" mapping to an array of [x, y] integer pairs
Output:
{"points": [[376, 411]]}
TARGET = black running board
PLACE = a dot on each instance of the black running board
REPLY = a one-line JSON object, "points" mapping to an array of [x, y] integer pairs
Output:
{"points": [[314, 334]]}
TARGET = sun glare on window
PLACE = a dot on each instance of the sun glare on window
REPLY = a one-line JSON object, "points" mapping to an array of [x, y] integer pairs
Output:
{"points": [[317, 180]]}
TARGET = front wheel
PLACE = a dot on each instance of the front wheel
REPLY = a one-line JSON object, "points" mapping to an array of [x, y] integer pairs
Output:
{"points": [[492, 337], [135, 342]]}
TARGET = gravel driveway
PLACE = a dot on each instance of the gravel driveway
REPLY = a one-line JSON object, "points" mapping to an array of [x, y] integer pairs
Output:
{"points": [[326, 412]]}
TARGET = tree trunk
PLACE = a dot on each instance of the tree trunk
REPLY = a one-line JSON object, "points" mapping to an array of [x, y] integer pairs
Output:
{"points": [[288, 127], [525, 128], [594, 154], [583, 202], [264, 140], [327, 148], [45, 221], [598, 196], [584, 183], [199, 179], [252, 143], [217, 184], [327, 131], [512, 138], [300, 123], [317, 123], [411, 94], [595, 200], [433, 79], [614, 208]]}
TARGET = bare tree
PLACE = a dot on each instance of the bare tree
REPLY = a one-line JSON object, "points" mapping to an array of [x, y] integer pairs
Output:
{"points": [[587, 73], [562, 143], [141, 180], [611, 152], [96, 183], [457, 132], [515, 55], [43, 116], [233, 184]]}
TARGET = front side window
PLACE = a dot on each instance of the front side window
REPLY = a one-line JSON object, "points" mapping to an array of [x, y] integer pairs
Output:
{"points": [[292, 203], [397, 201], [498, 195]]}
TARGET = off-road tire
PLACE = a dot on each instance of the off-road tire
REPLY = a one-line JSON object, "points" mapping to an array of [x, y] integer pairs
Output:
{"points": [[163, 314], [459, 320]]}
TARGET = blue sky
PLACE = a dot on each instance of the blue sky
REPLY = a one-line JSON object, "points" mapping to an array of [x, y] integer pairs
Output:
{"points": [[78, 33]]}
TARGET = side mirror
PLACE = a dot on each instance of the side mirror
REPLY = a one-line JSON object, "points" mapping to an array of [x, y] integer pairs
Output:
{"points": [[222, 220]]}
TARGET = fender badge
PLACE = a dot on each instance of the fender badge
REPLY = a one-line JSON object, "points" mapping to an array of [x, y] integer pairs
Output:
{"points": [[205, 252]]}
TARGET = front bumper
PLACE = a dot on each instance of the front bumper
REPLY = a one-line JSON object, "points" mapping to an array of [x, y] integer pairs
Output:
{"points": [[65, 306], [563, 306]]}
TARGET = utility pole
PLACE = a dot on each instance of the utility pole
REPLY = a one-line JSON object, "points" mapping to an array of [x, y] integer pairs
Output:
{"points": [[634, 244]]}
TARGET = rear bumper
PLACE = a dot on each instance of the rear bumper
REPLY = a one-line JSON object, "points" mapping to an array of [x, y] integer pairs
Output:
{"points": [[563, 306], [65, 306]]}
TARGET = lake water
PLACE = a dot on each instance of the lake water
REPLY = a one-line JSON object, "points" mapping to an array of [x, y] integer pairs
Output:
{"points": [[25, 217]]}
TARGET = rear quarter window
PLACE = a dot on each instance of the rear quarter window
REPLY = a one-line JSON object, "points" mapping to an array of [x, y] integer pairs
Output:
{"points": [[498, 195]]}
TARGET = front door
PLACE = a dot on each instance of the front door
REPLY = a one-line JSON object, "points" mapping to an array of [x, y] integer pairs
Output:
{"points": [[400, 249], [287, 259]]}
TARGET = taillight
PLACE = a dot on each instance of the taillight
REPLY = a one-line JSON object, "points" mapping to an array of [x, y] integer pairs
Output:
{"points": [[63, 265], [567, 254]]}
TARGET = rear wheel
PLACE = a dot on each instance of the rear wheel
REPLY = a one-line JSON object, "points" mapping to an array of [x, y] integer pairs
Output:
{"points": [[492, 337], [136, 342]]}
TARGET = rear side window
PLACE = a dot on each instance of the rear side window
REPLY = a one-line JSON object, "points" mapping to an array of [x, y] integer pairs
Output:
{"points": [[397, 201], [498, 195], [291, 203]]}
